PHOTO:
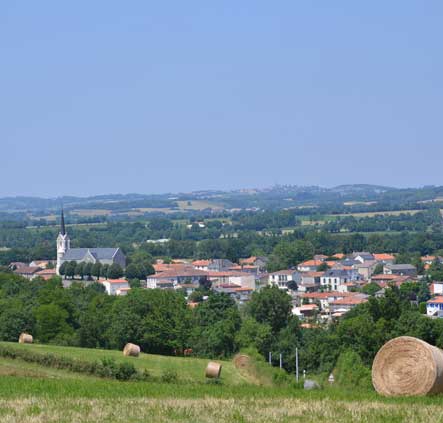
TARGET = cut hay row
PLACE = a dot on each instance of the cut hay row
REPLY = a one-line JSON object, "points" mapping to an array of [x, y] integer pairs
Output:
{"points": [[407, 366]]}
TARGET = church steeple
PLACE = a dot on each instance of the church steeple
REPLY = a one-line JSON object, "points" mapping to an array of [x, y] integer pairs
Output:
{"points": [[63, 243], [63, 230]]}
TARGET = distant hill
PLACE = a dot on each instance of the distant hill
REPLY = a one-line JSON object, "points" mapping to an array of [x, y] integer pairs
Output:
{"points": [[124, 206]]}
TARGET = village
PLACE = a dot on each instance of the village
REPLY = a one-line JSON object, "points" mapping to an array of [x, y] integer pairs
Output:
{"points": [[321, 289]]}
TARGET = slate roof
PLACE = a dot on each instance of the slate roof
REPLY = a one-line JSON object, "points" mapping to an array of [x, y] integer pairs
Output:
{"points": [[98, 253]]}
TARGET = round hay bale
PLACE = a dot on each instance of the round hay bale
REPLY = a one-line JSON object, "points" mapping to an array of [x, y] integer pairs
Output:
{"points": [[131, 350], [407, 366], [242, 361], [213, 370], [25, 338]]}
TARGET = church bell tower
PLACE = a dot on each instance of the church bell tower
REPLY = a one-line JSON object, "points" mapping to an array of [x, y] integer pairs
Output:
{"points": [[63, 243]]}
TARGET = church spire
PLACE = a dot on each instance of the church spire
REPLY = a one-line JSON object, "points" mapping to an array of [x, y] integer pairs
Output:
{"points": [[63, 230]]}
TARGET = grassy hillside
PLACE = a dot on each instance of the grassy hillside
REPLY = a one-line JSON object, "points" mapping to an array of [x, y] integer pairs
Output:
{"points": [[187, 369], [30, 393]]}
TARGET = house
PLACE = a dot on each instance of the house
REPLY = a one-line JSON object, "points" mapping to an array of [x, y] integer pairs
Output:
{"points": [[348, 287], [434, 307], [343, 305], [189, 288], [305, 310], [16, 265], [282, 277], [309, 265], [259, 262], [333, 278], [430, 259], [176, 276], [43, 264], [400, 269], [201, 264], [324, 298], [385, 281], [436, 288], [46, 273], [243, 294], [84, 255], [311, 278], [320, 257], [366, 269], [362, 257], [28, 272], [384, 258], [114, 285], [242, 279], [218, 265], [122, 291]]}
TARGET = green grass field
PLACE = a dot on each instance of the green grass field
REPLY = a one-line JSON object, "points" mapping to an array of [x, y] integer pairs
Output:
{"points": [[30, 393]]}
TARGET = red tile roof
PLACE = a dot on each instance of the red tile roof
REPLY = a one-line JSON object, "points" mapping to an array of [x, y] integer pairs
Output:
{"points": [[349, 301], [383, 257], [436, 300], [201, 263], [310, 263]]}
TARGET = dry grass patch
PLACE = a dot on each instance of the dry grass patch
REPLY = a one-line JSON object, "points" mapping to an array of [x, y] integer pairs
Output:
{"points": [[209, 410]]}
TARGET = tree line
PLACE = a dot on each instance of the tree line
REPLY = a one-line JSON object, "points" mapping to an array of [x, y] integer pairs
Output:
{"points": [[161, 322]]}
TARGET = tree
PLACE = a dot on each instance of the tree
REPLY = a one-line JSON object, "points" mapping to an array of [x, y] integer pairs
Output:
{"points": [[323, 267], [371, 288], [63, 269], [216, 322], [115, 271], [289, 254], [256, 335], [70, 269], [104, 271], [292, 286], [79, 270], [270, 306], [132, 272], [51, 323], [378, 270], [96, 270], [87, 270]]}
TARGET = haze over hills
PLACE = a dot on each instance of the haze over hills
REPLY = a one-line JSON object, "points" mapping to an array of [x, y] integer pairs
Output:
{"points": [[340, 199]]}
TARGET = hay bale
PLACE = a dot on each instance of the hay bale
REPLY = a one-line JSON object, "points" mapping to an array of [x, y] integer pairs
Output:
{"points": [[213, 370], [242, 361], [131, 350], [408, 366], [25, 338]]}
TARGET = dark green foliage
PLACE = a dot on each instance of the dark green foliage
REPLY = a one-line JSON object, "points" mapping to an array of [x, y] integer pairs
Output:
{"points": [[169, 376], [107, 367], [271, 306], [351, 373], [216, 323]]}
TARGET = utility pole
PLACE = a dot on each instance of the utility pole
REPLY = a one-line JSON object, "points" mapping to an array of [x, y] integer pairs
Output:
{"points": [[296, 364], [281, 361], [270, 358]]}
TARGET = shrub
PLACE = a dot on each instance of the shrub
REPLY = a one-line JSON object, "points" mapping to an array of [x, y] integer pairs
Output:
{"points": [[350, 372], [125, 371], [169, 376]]}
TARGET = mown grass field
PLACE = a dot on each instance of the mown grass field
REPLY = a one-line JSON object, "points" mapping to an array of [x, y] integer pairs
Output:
{"points": [[30, 393], [188, 369]]}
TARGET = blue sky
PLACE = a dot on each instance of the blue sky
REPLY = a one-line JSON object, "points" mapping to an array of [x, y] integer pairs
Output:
{"points": [[113, 97]]}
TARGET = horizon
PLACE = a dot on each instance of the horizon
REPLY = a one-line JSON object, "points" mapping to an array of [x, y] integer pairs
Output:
{"points": [[263, 188], [168, 98]]}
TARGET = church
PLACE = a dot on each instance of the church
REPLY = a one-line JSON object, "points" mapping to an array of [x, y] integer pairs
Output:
{"points": [[85, 255]]}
